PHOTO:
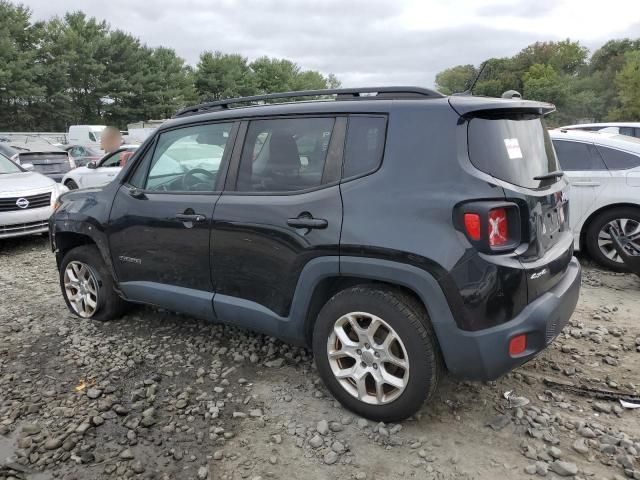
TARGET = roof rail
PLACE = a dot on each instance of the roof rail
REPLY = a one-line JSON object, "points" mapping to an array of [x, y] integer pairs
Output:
{"points": [[369, 93]]}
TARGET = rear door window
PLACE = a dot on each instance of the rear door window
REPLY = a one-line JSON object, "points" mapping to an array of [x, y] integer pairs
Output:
{"points": [[578, 156], [617, 159], [514, 148], [365, 145]]}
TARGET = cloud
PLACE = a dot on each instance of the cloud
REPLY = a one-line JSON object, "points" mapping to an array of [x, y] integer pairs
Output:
{"points": [[364, 42]]}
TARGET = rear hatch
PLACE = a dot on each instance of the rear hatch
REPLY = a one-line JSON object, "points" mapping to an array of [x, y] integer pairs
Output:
{"points": [[508, 140], [47, 163]]}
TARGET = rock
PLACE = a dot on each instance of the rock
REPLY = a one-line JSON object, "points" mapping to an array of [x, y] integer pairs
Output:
{"points": [[126, 454], [542, 468], [625, 461], [316, 441], [203, 473], [555, 452], [97, 420], [53, 443], [217, 455], [94, 393], [564, 469], [602, 407], [277, 363], [182, 403], [31, 429], [256, 412], [361, 476], [273, 459], [331, 457], [147, 421], [338, 447], [137, 467], [322, 427], [178, 455], [530, 469], [580, 446], [277, 438], [586, 432], [363, 423], [499, 422]]}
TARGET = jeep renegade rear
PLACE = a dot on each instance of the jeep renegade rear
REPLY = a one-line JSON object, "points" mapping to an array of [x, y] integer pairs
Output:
{"points": [[396, 231]]}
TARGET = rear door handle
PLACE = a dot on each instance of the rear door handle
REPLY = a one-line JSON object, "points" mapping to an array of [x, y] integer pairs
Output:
{"points": [[585, 184], [307, 222], [185, 217]]}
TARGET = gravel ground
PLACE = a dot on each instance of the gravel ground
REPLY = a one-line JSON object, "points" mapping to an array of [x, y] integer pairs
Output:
{"points": [[160, 395]]}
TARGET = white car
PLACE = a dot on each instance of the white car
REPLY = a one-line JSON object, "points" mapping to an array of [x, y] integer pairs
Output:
{"points": [[100, 173], [632, 129], [26, 199], [604, 172]]}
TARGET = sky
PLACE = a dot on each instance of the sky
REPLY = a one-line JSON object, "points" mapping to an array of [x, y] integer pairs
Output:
{"points": [[363, 42]]}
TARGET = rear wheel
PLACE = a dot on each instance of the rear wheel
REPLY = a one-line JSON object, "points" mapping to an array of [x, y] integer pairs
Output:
{"points": [[376, 352], [71, 185], [87, 285], [626, 222]]}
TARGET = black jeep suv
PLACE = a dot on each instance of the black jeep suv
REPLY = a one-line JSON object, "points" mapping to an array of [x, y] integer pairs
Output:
{"points": [[396, 231]]}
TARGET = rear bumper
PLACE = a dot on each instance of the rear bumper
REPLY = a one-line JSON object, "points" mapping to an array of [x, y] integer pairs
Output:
{"points": [[484, 354]]}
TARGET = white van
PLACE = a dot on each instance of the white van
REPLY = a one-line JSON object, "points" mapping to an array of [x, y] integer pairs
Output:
{"points": [[86, 135]]}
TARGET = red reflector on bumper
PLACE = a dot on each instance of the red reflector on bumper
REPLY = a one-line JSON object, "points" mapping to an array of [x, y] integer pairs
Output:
{"points": [[517, 345]]}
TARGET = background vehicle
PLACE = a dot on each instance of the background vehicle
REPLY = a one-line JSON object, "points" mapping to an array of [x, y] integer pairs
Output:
{"points": [[82, 155], [279, 218], [26, 199], [99, 173], [604, 172], [87, 135], [46, 159], [631, 129]]}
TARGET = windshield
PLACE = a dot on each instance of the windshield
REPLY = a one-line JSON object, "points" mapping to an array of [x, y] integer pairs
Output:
{"points": [[95, 136], [7, 166], [514, 148]]}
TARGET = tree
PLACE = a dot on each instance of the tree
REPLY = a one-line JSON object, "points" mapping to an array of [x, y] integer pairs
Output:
{"points": [[220, 75], [455, 79], [628, 88]]}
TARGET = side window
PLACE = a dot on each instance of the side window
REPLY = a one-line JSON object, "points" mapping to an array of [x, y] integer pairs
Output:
{"points": [[577, 156], [617, 159], [364, 146], [626, 131], [284, 155], [113, 160], [188, 159]]}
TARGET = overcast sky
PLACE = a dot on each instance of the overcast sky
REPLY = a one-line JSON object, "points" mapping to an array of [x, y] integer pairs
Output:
{"points": [[364, 42]]}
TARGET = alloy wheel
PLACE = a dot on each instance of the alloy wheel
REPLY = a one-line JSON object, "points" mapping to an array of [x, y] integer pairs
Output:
{"points": [[81, 288], [368, 358], [627, 230]]}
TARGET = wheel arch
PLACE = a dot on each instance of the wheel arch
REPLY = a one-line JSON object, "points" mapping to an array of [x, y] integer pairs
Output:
{"points": [[595, 213], [65, 240]]}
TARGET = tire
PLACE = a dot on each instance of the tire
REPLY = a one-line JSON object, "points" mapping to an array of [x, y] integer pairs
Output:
{"points": [[597, 225], [71, 185], [417, 343], [107, 303]]}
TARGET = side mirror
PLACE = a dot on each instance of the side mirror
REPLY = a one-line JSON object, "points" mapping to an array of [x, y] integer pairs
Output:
{"points": [[92, 164], [27, 166]]}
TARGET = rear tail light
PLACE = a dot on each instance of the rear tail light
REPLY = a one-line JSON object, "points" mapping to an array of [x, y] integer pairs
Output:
{"points": [[472, 225], [498, 227], [491, 226]]}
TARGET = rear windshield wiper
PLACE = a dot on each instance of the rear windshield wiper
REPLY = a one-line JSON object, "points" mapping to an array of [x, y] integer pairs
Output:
{"points": [[547, 176]]}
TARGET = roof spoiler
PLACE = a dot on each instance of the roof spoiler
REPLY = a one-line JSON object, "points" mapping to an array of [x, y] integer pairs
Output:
{"points": [[465, 106]]}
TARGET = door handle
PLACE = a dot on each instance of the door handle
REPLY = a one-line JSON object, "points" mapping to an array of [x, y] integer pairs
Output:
{"points": [[585, 184], [307, 222], [195, 217]]}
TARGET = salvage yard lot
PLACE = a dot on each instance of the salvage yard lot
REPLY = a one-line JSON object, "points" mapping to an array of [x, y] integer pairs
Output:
{"points": [[160, 395]]}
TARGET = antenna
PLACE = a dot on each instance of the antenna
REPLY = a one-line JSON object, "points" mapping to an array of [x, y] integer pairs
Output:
{"points": [[469, 91]]}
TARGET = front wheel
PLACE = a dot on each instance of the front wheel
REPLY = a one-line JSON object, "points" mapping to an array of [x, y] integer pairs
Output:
{"points": [[625, 221], [376, 352], [87, 285]]}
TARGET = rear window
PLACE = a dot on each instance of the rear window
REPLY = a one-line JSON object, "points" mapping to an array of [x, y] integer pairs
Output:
{"points": [[514, 149]]}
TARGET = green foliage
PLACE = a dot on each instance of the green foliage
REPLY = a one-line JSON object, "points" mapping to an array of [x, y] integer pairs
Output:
{"points": [[76, 69], [605, 86], [456, 79]]}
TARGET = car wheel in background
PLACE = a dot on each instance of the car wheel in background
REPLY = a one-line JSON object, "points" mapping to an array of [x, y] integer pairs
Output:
{"points": [[87, 285], [376, 352], [71, 185], [626, 222]]}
